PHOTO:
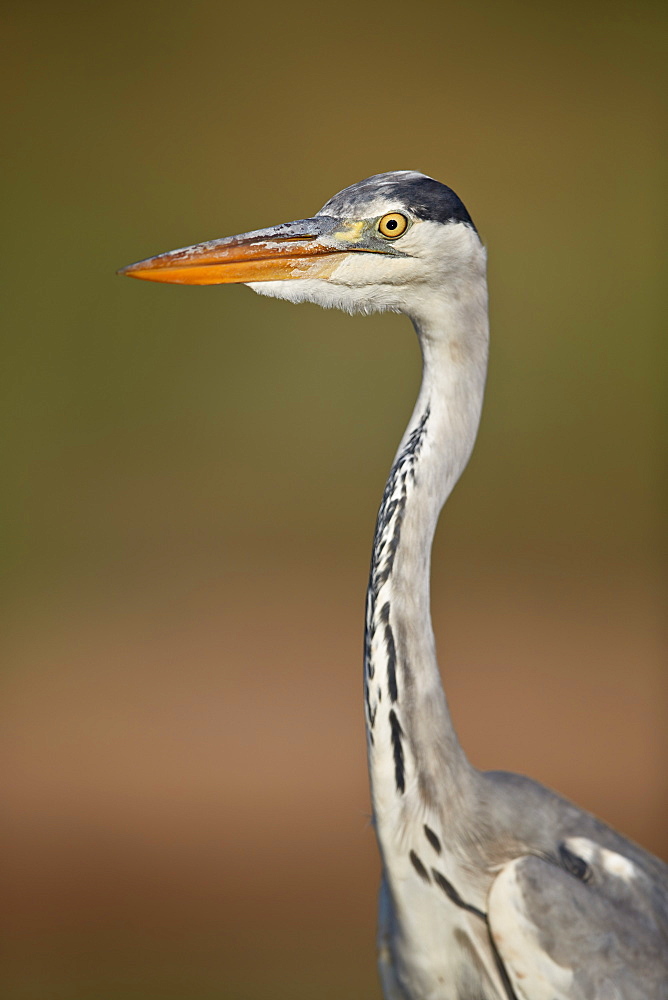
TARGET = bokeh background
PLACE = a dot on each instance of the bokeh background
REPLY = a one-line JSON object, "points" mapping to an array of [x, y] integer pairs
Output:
{"points": [[192, 474]]}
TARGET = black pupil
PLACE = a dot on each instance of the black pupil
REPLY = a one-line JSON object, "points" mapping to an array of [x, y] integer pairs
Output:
{"points": [[391, 224]]}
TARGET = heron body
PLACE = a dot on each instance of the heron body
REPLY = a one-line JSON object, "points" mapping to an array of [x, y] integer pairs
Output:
{"points": [[493, 887]]}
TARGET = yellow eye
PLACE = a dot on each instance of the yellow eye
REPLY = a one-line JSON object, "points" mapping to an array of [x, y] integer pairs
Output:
{"points": [[393, 225]]}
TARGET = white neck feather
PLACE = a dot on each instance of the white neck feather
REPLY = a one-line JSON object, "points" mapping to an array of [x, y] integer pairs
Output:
{"points": [[413, 749]]}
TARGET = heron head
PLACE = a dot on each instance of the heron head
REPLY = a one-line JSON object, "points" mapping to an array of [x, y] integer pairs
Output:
{"points": [[377, 245]]}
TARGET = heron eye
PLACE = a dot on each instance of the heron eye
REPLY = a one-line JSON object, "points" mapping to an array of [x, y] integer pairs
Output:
{"points": [[393, 225]]}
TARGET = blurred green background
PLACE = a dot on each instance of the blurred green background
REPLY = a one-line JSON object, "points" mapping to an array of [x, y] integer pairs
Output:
{"points": [[191, 474]]}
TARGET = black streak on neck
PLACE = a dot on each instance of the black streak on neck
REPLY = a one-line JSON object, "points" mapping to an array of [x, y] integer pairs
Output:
{"points": [[390, 516], [391, 652], [419, 867], [432, 838], [397, 735], [452, 894]]}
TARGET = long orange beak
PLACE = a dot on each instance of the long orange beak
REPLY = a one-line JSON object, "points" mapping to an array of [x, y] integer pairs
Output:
{"points": [[303, 249]]}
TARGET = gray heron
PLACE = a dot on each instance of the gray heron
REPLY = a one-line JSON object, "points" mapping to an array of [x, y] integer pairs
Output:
{"points": [[493, 886]]}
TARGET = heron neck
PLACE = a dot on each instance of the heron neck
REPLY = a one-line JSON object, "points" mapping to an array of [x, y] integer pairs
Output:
{"points": [[413, 748]]}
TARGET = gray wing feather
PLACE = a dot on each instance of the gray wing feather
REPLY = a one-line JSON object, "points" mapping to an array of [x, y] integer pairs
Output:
{"points": [[594, 935]]}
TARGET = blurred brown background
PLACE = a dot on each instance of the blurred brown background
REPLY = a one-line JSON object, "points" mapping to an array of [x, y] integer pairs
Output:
{"points": [[191, 475]]}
